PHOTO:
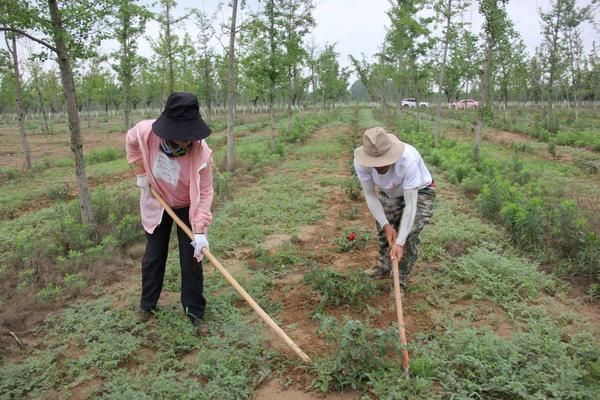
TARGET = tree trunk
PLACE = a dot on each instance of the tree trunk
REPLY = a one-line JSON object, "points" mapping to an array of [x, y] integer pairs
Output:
{"points": [[85, 204], [126, 73], [438, 110], [36, 81], [313, 81], [20, 107], [170, 50], [505, 102], [231, 90], [575, 72], [553, 62], [207, 80], [400, 91], [289, 103], [484, 88], [272, 116], [126, 106], [89, 112]]}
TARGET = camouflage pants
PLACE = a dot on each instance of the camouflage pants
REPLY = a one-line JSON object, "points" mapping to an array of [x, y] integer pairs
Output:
{"points": [[393, 209]]}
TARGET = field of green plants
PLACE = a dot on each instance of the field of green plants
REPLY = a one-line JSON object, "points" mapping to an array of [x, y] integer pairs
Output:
{"points": [[502, 304]]}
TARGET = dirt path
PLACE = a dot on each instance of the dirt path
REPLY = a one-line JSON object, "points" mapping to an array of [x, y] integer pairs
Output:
{"points": [[299, 301], [51, 146]]}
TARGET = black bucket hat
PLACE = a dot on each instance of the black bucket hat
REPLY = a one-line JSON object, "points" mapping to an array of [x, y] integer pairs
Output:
{"points": [[181, 119]]}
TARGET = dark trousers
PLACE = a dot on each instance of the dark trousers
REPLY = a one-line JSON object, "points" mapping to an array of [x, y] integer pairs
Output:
{"points": [[155, 261]]}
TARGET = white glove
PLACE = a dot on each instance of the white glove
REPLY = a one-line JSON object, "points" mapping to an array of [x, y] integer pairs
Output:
{"points": [[142, 182], [200, 242]]}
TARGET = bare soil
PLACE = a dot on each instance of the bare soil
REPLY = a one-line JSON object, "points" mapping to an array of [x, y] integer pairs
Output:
{"points": [[276, 390], [51, 146]]}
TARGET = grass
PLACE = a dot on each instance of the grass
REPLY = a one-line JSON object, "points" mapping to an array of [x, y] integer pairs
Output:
{"points": [[226, 365], [275, 204], [366, 119], [499, 277], [468, 269], [24, 191], [530, 365], [527, 196], [94, 340], [567, 130], [454, 233], [276, 264]]}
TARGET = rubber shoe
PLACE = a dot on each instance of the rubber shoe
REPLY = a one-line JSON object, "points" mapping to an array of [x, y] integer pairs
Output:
{"points": [[202, 328], [403, 282], [403, 285], [146, 315], [377, 272]]}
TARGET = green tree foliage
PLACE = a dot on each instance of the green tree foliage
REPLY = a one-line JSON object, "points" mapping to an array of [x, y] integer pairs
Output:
{"points": [[72, 30], [496, 27], [264, 54], [462, 69], [205, 59], [331, 79], [296, 21], [130, 22], [446, 10], [560, 26], [167, 45], [406, 44]]}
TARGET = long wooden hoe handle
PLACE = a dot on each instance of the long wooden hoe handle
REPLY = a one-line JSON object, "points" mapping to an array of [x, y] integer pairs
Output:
{"points": [[261, 313], [401, 331]]}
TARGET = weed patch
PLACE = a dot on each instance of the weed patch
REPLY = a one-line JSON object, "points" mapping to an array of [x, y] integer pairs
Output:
{"points": [[336, 288], [532, 365], [501, 279], [360, 352]]}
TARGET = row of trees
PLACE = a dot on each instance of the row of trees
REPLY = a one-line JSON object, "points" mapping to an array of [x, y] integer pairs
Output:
{"points": [[270, 59], [491, 66], [274, 62], [410, 62], [123, 79]]}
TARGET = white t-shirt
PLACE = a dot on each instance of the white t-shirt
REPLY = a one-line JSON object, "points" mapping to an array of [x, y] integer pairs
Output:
{"points": [[409, 172]]}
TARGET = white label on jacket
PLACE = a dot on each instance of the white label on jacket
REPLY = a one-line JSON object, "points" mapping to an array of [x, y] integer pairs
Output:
{"points": [[166, 169]]}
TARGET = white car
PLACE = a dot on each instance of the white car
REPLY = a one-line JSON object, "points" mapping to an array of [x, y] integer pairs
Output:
{"points": [[413, 103]]}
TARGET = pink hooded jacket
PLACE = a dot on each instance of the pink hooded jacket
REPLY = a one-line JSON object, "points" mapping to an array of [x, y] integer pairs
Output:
{"points": [[201, 189]]}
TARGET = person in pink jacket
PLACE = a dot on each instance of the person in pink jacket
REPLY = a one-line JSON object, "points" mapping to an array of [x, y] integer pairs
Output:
{"points": [[170, 155]]}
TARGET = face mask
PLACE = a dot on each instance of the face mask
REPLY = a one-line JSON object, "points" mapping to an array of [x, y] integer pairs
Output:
{"points": [[172, 149]]}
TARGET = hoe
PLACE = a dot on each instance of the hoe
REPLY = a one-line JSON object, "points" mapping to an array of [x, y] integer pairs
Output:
{"points": [[261, 313], [401, 331]]}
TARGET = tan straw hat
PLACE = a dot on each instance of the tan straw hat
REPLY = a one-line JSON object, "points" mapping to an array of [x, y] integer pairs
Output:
{"points": [[379, 148]]}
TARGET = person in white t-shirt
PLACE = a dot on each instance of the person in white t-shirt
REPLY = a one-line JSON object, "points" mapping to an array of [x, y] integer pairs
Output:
{"points": [[400, 194]]}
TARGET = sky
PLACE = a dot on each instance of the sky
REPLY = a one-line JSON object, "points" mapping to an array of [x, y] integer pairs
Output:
{"points": [[359, 26], [363, 28]]}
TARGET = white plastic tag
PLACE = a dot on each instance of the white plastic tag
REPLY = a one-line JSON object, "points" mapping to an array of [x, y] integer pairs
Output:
{"points": [[166, 169]]}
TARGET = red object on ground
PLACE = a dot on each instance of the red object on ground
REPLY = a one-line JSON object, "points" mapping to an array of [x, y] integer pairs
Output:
{"points": [[352, 236]]}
